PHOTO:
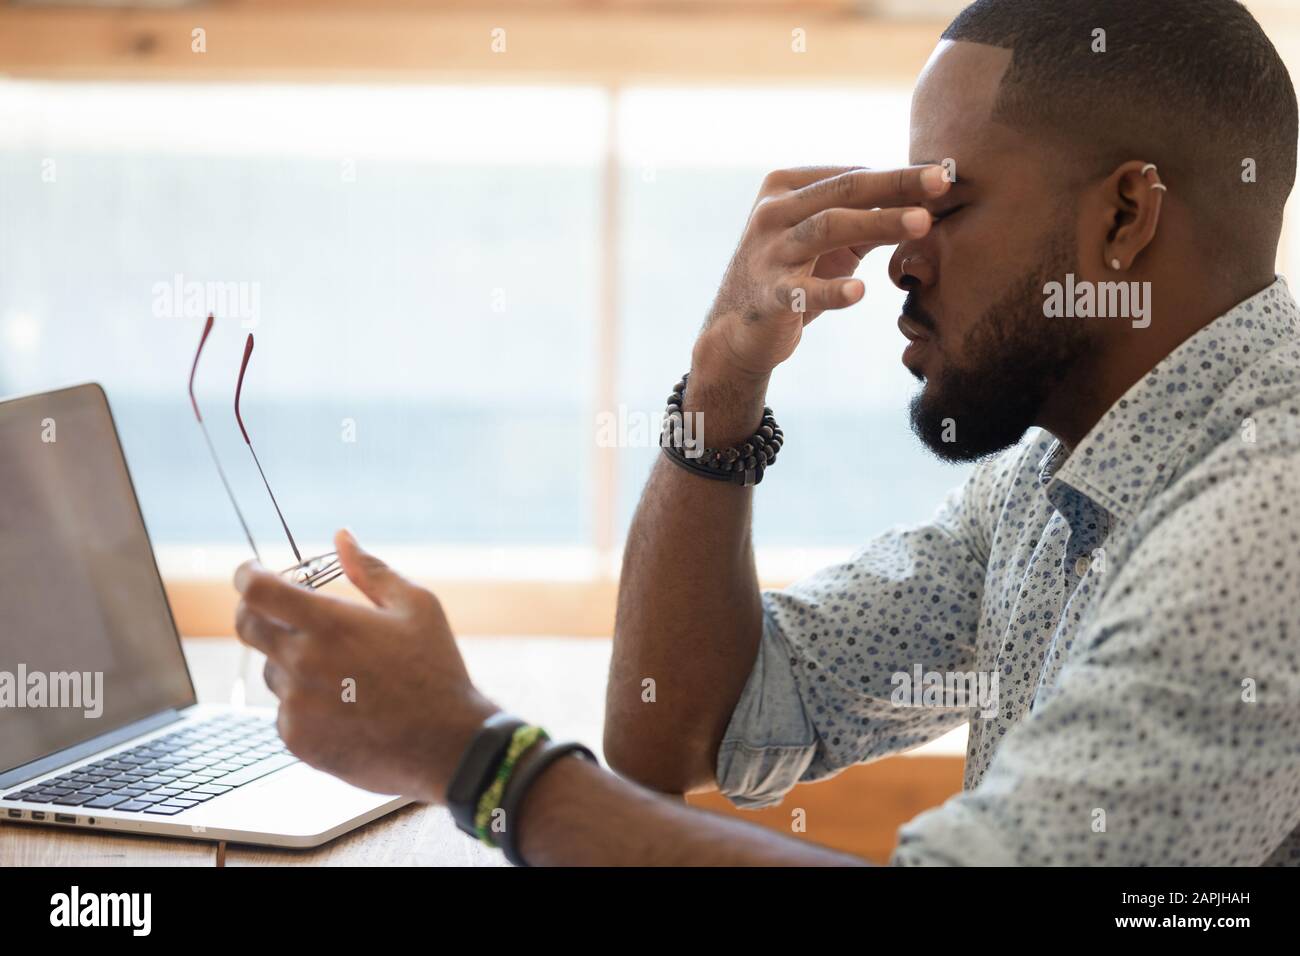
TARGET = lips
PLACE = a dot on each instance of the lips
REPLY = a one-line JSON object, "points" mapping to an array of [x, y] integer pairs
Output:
{"points": [[918, 344], [912, 330]]}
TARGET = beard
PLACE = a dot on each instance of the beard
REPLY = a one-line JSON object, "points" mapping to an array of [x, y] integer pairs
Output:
{"points": [[985, 400]]}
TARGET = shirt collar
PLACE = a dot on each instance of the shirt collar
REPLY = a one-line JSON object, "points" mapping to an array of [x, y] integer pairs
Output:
{"points": [[1161, 411]]}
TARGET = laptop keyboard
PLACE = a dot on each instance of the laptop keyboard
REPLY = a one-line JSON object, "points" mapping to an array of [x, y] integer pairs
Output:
{"points": [[168, 775]]}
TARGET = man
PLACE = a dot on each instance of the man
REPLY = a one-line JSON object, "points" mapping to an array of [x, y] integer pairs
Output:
{"points": [[1125, 581]]}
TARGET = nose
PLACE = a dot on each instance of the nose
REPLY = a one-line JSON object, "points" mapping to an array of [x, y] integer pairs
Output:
{"points": [[909, 269]]}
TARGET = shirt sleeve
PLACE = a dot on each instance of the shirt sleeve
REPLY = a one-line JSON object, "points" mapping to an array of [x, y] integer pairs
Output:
{"points": [[1170, 736], [821, 693]]}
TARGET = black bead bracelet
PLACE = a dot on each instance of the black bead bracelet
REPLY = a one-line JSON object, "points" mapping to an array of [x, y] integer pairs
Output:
{"points": [[741, 464]]}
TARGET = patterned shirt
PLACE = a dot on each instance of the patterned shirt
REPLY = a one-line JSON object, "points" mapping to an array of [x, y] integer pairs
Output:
{"points": [[1132, 607]]}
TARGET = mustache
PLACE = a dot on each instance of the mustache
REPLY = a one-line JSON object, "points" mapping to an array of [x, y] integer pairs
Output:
{"points": [[912, 310]]}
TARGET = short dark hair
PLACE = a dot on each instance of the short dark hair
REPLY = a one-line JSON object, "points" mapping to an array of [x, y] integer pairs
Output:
{"points": [[1195, 85]]}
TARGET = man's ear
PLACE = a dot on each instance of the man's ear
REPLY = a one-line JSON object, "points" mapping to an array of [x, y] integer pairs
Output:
{"points": [[1132, 197]]}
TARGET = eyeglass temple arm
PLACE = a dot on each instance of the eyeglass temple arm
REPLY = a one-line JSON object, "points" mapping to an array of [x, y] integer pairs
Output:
{"points": [[207, 329], [239, 387]]}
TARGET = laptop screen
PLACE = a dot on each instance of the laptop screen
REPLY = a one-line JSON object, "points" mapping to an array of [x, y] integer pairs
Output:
{"points": [[87, 641]]}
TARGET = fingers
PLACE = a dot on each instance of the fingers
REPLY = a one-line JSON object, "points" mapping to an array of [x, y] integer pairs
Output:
{"points": [[372, 577], [270, 595], [819, 295], [257, 631], [275, 677], [833, 229], [863, 189], [801, 176]]}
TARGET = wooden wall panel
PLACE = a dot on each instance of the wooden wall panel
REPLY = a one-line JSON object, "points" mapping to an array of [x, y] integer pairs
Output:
{"points": [[860, 810], [348, 42], [475, 608]]}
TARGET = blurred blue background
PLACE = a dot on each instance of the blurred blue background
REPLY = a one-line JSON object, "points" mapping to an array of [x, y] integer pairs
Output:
{"points": [[425, 294]]}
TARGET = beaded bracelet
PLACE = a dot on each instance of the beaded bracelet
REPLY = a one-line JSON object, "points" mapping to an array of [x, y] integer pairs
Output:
{"points": [[741, 464], [524, 737]]}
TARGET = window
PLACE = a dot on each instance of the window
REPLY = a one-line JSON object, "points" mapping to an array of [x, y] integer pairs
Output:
{"points": [[424, 269], [418, 266], [694, 160]]}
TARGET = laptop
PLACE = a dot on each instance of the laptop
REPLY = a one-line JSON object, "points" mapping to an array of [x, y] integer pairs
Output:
{"points": [[100, 727]]}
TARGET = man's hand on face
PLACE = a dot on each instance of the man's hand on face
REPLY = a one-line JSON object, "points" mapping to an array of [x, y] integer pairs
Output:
{"points": [[808, 232], [378, 696]]}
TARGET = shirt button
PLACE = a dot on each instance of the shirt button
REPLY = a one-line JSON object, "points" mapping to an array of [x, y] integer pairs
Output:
{"points": [[1081, 566]]}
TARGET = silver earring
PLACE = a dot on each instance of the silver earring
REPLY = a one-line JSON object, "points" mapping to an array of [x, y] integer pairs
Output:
{"points": [[1156, 185]]}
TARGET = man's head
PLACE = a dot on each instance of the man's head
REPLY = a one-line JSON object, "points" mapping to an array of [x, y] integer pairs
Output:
{"points": [[1050, 113]]}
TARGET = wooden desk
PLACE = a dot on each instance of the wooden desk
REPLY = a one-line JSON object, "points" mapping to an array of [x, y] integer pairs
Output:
{"points": [[557, 682]]}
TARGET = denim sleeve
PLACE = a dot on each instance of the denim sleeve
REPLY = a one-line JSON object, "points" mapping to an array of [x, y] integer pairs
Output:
{"points": [[770, 743]]}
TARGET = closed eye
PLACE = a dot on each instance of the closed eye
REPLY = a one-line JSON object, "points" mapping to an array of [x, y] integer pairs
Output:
{"points": [[941, 216]]}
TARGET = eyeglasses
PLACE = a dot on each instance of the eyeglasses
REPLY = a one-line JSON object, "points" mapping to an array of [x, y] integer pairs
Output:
{"points": [[311, 572]]}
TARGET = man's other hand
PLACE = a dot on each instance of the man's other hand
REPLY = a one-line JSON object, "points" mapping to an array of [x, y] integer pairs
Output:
{"points": [[376, 695]]}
